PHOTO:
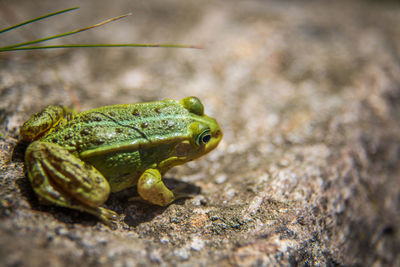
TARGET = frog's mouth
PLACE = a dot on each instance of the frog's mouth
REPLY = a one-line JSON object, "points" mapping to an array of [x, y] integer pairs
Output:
{"points": [[216, 137]]}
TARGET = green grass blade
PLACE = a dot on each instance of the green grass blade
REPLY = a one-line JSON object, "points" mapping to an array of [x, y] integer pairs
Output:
{"points": [[63, 34], [38, 18], [3, 49], [28, 45]]}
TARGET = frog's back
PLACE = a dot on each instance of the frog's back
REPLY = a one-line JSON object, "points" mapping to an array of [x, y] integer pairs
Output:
{"points": [[141, 124]]}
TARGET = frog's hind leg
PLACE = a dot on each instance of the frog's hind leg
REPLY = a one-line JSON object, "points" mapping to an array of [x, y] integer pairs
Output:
{"points": [[44, 121], [62, 179]]}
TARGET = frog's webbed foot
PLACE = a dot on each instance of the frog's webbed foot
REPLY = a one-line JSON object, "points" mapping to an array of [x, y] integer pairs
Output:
{"points": [[105, 215], [60, 178]]}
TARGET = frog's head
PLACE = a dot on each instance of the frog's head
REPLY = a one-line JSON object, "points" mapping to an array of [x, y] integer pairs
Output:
{"points": [[205, 133]]}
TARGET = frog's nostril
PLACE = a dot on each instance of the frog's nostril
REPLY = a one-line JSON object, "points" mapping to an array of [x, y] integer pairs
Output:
{"points": [[217, 133]]}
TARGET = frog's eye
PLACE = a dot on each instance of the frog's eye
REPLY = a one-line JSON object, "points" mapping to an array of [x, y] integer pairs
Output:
{"points": [[204, 137], [193, 105]]}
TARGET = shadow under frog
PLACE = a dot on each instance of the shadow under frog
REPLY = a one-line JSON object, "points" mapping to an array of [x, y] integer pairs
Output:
{"points": [[139, 211]]}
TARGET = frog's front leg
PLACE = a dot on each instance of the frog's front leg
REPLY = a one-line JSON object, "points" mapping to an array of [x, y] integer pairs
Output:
{"points": [[61, 178], [152, 189]]}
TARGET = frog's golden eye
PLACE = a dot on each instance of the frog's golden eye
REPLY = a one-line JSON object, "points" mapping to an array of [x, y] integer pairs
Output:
{"points": [[193, 105], [204, 137]]}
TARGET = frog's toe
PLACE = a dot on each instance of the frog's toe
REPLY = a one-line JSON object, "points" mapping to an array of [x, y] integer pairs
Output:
{"points": [[107, 216]]}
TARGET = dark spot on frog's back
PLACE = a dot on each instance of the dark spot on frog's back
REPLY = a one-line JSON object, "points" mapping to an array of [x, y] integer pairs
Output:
{"points": [[111, 113], [144, 125], [93, 117], [99, 141], [84, 131], [135, 112], [157, 110], [119, 130]]}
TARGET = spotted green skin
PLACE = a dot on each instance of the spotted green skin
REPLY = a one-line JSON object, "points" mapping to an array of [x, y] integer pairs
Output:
{"points": [[76, 159]]}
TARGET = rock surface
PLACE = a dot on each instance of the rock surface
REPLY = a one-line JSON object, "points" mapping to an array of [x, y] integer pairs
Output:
{"points": [[308, 96]]}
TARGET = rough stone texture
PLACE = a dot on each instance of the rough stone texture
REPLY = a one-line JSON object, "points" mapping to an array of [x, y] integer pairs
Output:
{"points": [[307, 93]]}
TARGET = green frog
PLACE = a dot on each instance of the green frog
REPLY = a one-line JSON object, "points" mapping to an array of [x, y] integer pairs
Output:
{"points": [[75, 159]]}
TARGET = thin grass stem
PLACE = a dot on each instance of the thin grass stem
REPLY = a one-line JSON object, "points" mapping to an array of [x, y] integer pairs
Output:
{"points": [[63, 34], [37, 19], [3, 49], [28, 45]]}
